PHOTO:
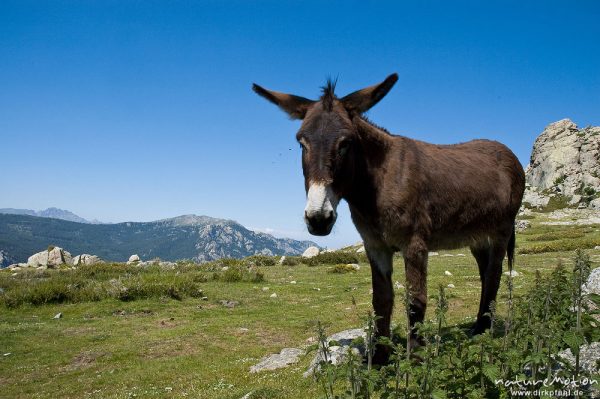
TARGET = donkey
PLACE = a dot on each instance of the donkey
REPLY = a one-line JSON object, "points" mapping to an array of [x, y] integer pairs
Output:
{"points": [[405, 195]]}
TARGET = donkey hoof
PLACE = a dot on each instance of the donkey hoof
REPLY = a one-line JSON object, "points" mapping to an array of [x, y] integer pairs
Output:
{"points": [[480, 326], [381, 357]]}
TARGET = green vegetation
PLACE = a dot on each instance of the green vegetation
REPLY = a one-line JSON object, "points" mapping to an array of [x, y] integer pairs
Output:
{"points": [[171, 336], [342, 268], [557, 201], [553, 315]]}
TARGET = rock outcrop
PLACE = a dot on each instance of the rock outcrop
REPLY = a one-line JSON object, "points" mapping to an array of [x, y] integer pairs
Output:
{"points": [[52, 257], [565, 163], [86, 259]]}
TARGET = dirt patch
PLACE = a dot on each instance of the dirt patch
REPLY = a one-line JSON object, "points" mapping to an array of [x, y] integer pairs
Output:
{"points": [[85, 360], [168, 323], [73, 331], [173, 348]]}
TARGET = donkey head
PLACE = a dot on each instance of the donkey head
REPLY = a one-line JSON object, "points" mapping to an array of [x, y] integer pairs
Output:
{"points": [[328, 139]]}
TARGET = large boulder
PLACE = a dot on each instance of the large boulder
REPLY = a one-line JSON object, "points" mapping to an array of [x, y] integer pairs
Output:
{"points": [[52, 257], [133, 259], [339, 345], [310, 252], [86, 259], [565, 160]]}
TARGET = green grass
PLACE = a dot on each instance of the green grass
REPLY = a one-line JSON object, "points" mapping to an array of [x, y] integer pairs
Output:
{"points": [[163, 343]]}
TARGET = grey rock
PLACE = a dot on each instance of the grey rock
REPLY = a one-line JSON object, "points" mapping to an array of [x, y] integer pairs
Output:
{"points": [[56, 256], [338, 352], [229, 304], [595, 203], [588, 355], [279, 360], [522, 225], [310, 252], [86, 259], [592, 285], [564, 159], [133, 259]]}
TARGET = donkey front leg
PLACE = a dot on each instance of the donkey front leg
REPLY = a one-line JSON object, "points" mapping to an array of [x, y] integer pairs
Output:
{"points": [[415, 264], [383, 296]]}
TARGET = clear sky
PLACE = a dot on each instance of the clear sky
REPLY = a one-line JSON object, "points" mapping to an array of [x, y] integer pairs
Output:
{"points": [[140, 110]]}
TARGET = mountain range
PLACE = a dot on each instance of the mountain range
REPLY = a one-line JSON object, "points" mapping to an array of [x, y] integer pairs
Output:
{"points": [[200, 238], [55, 213]]}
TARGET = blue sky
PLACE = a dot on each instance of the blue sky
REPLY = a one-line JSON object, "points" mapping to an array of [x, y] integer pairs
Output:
{"points": [[135, 111]]}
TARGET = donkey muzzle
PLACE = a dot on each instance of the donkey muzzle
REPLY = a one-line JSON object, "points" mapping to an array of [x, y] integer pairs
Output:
{"points": [[320, 212]]}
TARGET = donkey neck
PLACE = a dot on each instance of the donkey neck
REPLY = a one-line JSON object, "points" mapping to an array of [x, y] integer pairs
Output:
{"points": [[373, 149]]}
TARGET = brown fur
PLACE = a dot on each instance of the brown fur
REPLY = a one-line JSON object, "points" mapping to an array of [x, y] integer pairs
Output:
{"points": [[410, 196]]}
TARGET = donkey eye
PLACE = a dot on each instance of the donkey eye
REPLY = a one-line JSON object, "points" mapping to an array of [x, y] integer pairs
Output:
{"points": [[343, 147]]}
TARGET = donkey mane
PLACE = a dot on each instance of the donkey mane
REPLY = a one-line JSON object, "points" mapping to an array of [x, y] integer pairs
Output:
{"points": [[374, 125], [328, 93]]}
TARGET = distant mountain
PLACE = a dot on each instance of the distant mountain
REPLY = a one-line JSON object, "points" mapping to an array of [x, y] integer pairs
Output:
{"points": [[200, 238], [48, 213]]}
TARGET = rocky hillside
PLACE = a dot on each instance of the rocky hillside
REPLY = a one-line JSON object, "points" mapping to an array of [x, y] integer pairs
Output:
{"points": [[564, 169], [54, 213], [200, 238]]}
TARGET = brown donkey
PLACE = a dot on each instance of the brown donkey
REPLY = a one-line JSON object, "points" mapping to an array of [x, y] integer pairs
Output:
{"points": [[405, 195]]}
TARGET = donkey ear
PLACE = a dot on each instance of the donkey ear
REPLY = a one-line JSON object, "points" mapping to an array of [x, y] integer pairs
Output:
{"points": [[360, 101], [294, 106]]}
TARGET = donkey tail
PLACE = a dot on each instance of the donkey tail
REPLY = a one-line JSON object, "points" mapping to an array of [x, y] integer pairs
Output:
{"points": [[510, 250]]}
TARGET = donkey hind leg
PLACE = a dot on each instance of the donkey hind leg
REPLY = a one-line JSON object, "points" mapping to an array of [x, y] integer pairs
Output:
{"points": [[415, 265], [383, 297], [489, 258]]}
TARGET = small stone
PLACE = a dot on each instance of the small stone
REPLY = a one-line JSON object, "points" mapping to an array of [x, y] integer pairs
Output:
{"points": [[229, 304], [58, 316], [447, 273], [355, 266], [451, 286], [273, 295]]}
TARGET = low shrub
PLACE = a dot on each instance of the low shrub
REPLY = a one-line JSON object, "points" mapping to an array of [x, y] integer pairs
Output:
{"points": [[331, 258], [560, 245], [237, 273], [261, 260], [557, 236], [98, 282], [342, 268], [291, 261]]}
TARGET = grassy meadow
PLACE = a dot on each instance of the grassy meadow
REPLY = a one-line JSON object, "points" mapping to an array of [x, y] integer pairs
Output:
{"points": [[149, 332]]}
